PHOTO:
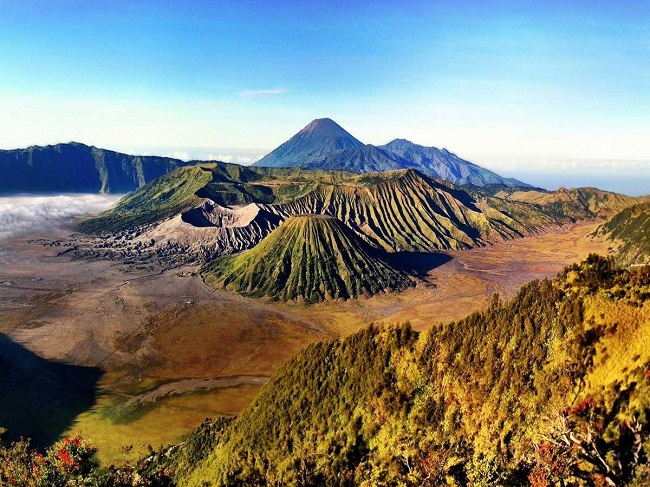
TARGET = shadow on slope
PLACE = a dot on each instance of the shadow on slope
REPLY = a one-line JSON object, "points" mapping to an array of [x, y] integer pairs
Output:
{"points": [[39, 399], [417, 264]]}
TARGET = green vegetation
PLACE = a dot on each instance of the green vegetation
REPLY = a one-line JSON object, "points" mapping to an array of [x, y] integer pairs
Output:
{"points": [[225, 184], [631, 227], [71, 463], [520, 394], [573, 203], [397, 211], [160, 199], [550, 388], [586, 202], [311, 258], [406, 211]]}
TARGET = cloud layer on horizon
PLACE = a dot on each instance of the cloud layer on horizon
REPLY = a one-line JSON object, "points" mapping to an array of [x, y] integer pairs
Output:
{"points": [[22, 214]]}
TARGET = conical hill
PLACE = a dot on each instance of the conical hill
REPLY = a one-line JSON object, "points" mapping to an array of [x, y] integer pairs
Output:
{"points": [[311, 258]]}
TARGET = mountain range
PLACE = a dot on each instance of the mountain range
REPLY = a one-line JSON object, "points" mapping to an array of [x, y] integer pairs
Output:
{"points": [[78, 168], [321, 235], [229, 208], [323, 144], [549, 388]]}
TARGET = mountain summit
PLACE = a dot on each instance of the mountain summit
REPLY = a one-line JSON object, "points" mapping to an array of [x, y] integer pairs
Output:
{"points": [[318, 139], [324, 144], [326, 128]]}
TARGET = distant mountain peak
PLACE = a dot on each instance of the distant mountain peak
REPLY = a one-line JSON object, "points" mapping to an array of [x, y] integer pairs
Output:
{"points": [[324, 127], [400, 143], [319, 138], [324, 144]]}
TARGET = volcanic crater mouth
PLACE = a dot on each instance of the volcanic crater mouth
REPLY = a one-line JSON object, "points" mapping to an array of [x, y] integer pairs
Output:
{"points": [[211, 214]]}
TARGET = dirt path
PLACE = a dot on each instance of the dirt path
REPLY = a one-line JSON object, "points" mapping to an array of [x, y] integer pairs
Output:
{"points": [[193, 385]]}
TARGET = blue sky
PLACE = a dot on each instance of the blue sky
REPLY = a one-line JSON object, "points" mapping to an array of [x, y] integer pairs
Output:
{"points": [[520, 87]]}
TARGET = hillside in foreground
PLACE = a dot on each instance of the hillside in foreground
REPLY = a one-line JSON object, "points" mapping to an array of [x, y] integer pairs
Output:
{"points": [[308, 258], [550, 388]]}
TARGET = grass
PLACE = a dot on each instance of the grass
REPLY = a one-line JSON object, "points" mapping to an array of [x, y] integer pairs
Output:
{"points": [[226, 184], [162, 198], [394, 210], [167, 421]]}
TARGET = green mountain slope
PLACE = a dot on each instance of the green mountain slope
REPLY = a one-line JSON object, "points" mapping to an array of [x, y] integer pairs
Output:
{"points": [[551, 388], [397, 210], [219, 183], [405, 210], [78, 168], [575, 203], [160, 199], [630, 227], [311, 258]]}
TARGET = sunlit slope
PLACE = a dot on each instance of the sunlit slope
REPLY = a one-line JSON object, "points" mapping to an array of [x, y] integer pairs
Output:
{"points": [[556, 376], [223, 208], [573, 202], [311, 258], [405, 210], [221, 184], [160, 199], [631, 229]]}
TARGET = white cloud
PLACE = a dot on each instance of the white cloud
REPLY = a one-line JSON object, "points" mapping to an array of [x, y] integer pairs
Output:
{"points": [[249, 159], [255, 93], [182, 155], [220, 157], [238, 158], [22, 214]]}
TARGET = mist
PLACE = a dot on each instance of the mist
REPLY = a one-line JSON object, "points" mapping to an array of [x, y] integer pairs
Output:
{"points": [[27, 213]]}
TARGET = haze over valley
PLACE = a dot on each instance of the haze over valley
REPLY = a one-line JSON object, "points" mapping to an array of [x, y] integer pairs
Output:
{"points": [[24, 213]]}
